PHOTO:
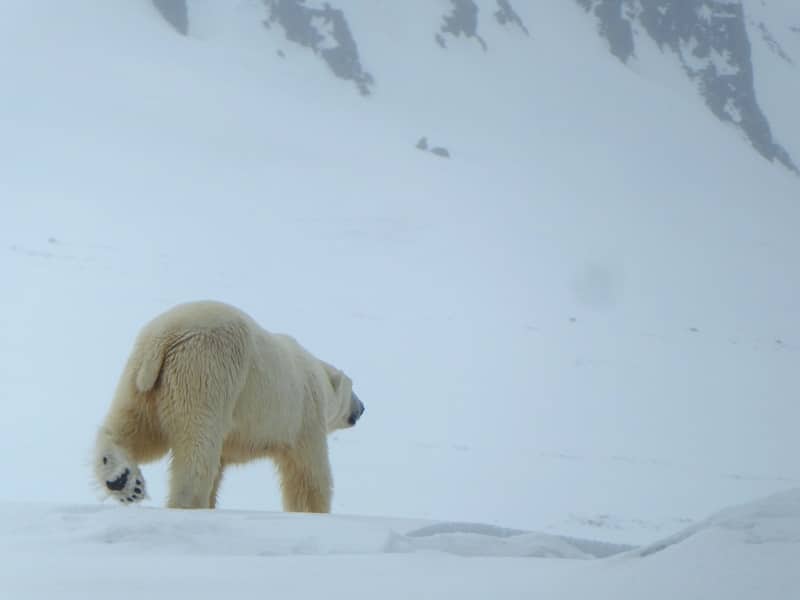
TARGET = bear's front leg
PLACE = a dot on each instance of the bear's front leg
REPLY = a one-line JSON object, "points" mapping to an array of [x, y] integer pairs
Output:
{"points": [[306, 481]]}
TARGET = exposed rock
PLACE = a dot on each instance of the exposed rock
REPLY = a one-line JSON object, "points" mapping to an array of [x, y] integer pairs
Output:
{"points": [[773, 44], [505, 15], [175, 13], [326, 32], [462, 20], [440, 151], [711, 41]]}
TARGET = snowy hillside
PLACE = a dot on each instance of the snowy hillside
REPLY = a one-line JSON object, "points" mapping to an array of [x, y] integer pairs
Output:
{"points": [[732, 53], [584, 323], [719, 45]]}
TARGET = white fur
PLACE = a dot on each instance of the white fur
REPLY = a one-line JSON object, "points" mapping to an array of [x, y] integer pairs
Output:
{"points": [[207, 383]]}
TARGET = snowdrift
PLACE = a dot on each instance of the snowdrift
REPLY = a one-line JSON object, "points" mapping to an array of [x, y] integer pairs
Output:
{"points": [[97, 551]]}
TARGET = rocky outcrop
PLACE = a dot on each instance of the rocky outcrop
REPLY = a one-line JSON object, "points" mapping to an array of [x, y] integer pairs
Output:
{"points": [[710, 39]]}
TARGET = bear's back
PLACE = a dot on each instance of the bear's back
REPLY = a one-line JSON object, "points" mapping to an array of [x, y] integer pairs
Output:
{"points": [[197, 316]]}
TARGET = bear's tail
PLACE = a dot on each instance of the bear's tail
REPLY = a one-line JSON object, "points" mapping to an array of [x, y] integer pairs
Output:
{"points": [[151, 361]]}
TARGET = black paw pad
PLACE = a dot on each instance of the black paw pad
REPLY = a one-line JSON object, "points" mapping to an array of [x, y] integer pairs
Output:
{"points": [[119, 482]]}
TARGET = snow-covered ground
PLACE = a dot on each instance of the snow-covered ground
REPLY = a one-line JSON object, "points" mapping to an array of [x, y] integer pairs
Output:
{"points": [[80, 551], [578, 325]]}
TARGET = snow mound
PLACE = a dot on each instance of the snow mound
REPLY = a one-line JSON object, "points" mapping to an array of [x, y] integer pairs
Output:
{"points": [[743, 553], [134, 530], [775, 519], [475, 539]]}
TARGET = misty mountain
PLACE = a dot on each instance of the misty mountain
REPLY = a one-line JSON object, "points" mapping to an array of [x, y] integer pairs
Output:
{"points": [[709, 40]]}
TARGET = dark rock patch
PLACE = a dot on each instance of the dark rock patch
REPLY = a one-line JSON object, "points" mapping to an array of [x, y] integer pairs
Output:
{"points": [[461, 20], [711, 41], [326, 32], [175, 13], [506, 15]]}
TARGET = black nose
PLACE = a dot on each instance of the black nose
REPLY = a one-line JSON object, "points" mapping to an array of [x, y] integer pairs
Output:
{"points": [[355, 415]]}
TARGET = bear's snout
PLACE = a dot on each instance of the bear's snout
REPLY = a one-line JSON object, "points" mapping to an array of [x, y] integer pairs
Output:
{"points": [[358, 410]]}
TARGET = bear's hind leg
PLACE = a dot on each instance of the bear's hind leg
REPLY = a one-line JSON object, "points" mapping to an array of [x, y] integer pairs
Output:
{"points": [[128, 437], [201, 377], [305, 474], [195, 438], [192, 477], [116, 471], [215, 487]]}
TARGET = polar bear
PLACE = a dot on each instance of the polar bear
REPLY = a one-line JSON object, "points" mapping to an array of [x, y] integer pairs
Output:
{"points": [[207, 383]]}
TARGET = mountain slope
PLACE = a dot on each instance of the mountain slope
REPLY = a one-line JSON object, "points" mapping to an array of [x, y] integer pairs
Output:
{"points": [[709, 40], [576, 325]]}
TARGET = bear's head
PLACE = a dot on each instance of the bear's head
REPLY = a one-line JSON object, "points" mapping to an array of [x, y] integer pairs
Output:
{"points": [[346, 408]]}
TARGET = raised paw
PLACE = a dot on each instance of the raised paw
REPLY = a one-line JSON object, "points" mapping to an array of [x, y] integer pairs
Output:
{"points": [[123, 482], [127, 488]]}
